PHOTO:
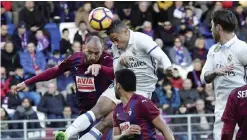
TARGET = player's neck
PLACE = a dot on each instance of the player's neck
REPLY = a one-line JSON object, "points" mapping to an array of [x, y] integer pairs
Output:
{"points": [[225, 37], [126, 97]]}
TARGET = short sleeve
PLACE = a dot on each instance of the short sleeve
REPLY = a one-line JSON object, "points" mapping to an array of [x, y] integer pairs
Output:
{"points": [[115, 121], [145, 42], [229, 114], [242, 55], [150, 109]]}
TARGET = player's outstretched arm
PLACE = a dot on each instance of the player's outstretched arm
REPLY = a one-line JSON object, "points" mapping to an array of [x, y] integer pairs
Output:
{"points": [[160, 124], [147, 44], [44, 76]]}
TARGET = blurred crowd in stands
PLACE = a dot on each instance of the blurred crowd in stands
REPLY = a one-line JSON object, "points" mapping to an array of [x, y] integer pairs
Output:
{"points": [[33, 39]]}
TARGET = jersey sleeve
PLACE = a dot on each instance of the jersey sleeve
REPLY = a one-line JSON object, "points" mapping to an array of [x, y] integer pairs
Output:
{"points": [[208, 66], [229, 114], [51, 72], [107, 60], [66, 64], [107, 65], [146, 44], [242, 55], [115, 121], [149, 109]]}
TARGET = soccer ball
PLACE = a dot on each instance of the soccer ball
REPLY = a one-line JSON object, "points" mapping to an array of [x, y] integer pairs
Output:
{"points": [[100, 18]]}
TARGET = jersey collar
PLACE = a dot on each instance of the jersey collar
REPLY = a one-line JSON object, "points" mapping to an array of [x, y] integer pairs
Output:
{"points": [[230, 42]]}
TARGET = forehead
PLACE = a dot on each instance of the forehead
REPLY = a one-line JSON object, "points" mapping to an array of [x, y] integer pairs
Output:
{"points": [[30, 45], [94, 46], [76, 44], [26, 101], [67, 108]]}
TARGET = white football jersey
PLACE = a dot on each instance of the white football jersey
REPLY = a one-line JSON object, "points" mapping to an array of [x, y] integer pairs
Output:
{"points": [[233, 52], [140, 61]]}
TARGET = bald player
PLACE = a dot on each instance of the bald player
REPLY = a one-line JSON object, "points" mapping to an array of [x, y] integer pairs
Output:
{"points": [[92, 71]]}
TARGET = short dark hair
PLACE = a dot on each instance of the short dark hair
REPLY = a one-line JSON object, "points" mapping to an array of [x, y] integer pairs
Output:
{"points": [[56, 51], [225, 18], [18, 67], [65, 29], [116, 27], [127, 79]]}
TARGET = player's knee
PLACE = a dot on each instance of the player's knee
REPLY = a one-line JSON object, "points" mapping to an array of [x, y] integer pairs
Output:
{"points": [[104, 125], [107, 124], [103, 107], [99, 111]]}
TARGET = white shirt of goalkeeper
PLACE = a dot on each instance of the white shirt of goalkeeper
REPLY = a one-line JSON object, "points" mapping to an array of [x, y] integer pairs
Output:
{"points": [[143, 53], [233, 52]]}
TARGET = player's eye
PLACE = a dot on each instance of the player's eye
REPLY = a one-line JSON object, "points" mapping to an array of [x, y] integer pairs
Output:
{"points": [[115, 40]]}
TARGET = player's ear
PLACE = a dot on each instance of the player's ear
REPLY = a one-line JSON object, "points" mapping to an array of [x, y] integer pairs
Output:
{"points": [[217, 27]]}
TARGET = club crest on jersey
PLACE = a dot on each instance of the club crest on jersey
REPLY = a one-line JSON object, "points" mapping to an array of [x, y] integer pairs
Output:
{"points": [[85, 84], [124, 126], [229, 58]]}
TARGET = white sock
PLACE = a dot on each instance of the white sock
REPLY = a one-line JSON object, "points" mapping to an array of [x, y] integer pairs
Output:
{"points": [[93, 134], [81, 123]]}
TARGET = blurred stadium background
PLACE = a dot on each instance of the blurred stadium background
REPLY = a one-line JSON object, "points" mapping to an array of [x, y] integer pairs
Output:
{"points": [[57, 29]]}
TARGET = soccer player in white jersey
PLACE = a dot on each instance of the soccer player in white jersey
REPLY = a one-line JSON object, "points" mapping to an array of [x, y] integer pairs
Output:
{"points": [[226, 63], [132, 50]]}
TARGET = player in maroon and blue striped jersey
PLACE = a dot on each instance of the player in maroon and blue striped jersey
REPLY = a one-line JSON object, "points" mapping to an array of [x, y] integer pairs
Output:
{"points": [[136, 117], [235, 113], [92, 71]]}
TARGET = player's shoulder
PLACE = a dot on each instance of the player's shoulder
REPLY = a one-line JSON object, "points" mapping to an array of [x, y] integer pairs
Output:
{"points": [[118, 107], [106, 56], [240, 46], [140, 98], [140, 37], [75, 56], [214, 48]]}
